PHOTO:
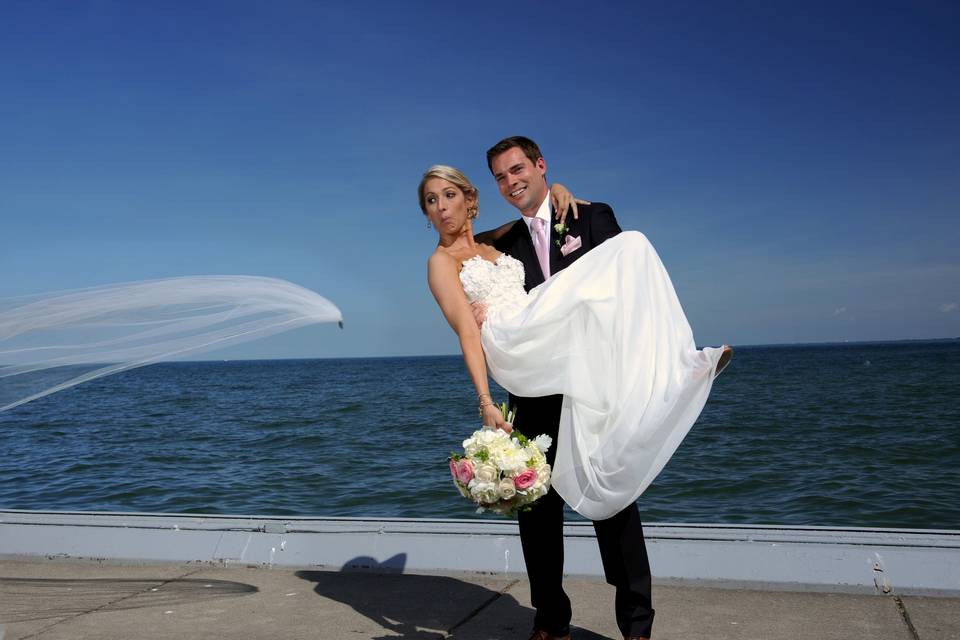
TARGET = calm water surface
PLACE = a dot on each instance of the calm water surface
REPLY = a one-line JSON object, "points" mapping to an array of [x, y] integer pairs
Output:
{"points": [[854, 435]]}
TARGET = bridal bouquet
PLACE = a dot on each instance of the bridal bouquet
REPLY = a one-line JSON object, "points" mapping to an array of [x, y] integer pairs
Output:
{"points": [[501, 471]]}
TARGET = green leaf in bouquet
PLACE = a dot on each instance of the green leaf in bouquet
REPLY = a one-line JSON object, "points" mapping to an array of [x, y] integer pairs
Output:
{"points": [[509, 415], [483, 455]]}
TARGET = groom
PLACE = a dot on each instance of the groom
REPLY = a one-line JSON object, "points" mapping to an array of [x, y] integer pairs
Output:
{"points": [[520, 171]]}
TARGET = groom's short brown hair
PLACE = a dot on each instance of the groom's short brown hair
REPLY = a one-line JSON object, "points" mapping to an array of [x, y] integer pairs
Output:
{"points": [[528, 146]]}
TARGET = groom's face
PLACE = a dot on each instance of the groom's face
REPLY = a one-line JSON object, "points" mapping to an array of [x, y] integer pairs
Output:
{"points": [[522, 183]]}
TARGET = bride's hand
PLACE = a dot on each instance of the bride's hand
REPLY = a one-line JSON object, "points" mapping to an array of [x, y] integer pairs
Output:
{"points": [[563, 201], [479, 313], [492, 417]]}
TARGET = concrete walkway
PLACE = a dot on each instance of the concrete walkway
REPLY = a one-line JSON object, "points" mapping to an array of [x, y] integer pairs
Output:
{"points": [[60, 599]]}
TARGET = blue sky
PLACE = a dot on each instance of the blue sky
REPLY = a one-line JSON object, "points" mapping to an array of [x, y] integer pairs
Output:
{"points": [[797, 166]]}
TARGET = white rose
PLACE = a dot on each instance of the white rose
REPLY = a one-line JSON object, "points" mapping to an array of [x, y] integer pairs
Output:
{"points": [[486, 472], [506, 489]]}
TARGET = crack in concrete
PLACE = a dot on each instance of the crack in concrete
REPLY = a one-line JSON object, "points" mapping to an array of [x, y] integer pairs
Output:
{"points": [[486, 603], [159, 585], [905, 616]]}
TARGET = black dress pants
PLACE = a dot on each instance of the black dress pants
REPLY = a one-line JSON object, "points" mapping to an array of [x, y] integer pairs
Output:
{"points": [[620, 538]]}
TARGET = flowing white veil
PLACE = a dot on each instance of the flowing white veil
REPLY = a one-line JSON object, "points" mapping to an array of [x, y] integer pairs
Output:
{"points": [[53, 341]]}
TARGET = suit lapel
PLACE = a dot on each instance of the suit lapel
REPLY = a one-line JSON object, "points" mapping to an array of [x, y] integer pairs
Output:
{"points": [[555, 256]]}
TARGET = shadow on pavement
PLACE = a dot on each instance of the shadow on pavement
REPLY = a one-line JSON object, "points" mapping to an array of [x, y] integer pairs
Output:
{"points": [[425, 607], [25, 599]]}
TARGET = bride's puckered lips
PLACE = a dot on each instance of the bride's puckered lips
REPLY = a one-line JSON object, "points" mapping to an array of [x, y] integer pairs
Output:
{"points": [[444, 204]]}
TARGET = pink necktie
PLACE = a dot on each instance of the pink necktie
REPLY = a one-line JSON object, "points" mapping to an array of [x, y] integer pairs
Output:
{"points": [[541, 244]]}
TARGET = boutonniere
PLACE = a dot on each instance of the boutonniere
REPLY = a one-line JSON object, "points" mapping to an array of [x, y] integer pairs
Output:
{"points": [[561, 228]]}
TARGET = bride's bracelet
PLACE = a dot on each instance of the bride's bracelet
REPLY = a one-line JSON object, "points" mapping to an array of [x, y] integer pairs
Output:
{"points": [[489, 402]]}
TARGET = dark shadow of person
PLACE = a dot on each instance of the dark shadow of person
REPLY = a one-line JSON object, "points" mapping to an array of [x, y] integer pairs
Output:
{"points": [[425, 607]]}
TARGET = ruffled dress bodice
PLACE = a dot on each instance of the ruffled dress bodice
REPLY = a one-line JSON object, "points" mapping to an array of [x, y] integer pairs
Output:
{"points": [[498, 285]]}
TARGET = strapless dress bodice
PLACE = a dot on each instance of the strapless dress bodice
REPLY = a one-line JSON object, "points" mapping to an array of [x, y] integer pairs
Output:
{"points": [[498, 285]]}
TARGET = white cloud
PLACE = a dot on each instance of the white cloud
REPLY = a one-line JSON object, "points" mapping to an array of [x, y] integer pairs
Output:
{"points": [[839, 311], [947, 307]]}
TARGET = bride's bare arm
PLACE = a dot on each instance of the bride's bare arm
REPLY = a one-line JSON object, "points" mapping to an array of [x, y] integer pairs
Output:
{"points": [[563, 202], [444, 278]]}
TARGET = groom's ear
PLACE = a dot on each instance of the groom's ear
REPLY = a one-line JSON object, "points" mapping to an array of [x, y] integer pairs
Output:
{"points": [[541, 166]]}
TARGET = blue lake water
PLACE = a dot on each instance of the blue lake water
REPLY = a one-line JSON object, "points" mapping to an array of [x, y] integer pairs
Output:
{"points": [[852, 435]]}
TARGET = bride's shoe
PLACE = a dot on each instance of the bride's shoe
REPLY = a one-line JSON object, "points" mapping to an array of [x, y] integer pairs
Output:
{"points": [[725, 358]]}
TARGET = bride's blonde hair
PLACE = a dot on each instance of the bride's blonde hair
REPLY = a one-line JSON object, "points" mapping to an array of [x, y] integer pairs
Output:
{"points": [[455, 176]]}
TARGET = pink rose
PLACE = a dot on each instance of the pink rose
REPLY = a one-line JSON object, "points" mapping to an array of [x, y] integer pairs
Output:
{"points": [[453, 468], [525, 480], [465, 471]]}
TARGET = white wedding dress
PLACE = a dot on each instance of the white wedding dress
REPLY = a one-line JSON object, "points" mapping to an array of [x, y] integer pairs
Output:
{"points": [[609, 334]]}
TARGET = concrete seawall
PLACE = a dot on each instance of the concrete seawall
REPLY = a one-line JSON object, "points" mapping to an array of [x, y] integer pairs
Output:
{"points": [[772, 557]]}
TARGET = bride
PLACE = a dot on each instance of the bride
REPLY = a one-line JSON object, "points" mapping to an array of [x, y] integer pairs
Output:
{"points": [[607, 332]]}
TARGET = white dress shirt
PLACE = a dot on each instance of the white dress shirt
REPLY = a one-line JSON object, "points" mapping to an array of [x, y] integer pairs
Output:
{"points": [[543, 213]]}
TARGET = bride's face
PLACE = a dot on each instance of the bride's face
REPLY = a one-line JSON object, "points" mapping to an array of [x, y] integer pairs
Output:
{"points": [[445, 205]]}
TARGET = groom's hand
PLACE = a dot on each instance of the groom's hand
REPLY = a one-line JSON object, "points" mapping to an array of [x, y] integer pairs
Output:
{"points": [[479, 313]]}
